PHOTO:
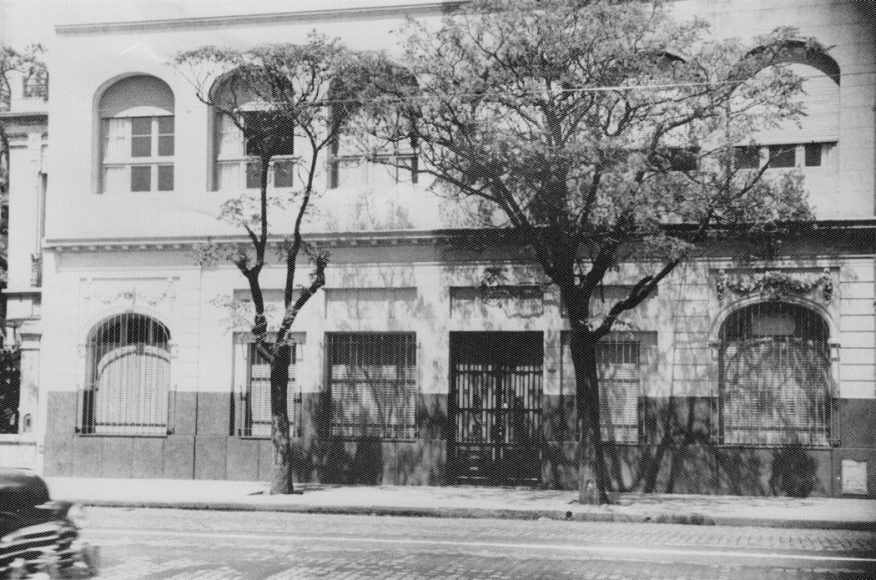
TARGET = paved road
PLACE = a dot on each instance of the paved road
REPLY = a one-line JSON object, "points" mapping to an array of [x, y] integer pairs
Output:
{"points": [[181, 544]]}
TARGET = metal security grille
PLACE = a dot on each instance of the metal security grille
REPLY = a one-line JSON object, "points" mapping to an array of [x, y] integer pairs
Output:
{"points": [[373, 384], [775, 384], [254, 418], [128, 378], [618, 367], [495, 407]]}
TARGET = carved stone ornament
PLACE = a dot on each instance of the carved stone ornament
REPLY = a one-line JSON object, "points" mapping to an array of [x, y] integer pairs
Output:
{"points": [[774, 285], [134, 295]]}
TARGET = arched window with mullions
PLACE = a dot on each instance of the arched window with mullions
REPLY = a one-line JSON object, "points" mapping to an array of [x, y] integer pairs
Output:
{"points": [[775, 378], [127, 377], [358, 157], [244, 125], [137, 136]]}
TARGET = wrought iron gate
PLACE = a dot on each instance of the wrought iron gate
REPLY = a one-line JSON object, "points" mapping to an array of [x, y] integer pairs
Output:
{"points": [[495, 407]]}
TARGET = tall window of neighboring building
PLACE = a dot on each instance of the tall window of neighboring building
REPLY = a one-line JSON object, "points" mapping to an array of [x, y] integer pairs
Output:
{"points": [[620, 365], [128, 377], [253, 378], [775, 384], [137, 136], [373, 384]]}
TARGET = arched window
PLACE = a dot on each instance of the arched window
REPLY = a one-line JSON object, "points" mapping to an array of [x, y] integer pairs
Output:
{"points": [[136, 124], [127, 377], [775, 383], [357, 158], [810, 141], [237, 162]]}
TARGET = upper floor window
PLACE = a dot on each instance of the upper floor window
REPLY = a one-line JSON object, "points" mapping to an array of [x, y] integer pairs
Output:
{"points": [[246, 127], [787, 155], [362, 162], [137, 136], [238, 161], [357, 158], [36, 84]]}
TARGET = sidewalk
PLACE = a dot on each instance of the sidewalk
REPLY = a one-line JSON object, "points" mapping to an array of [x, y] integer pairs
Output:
{"points": [[471, 502]]}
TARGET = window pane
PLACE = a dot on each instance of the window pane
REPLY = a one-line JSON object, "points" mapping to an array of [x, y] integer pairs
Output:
{"points": [[141, 146], [747, 157], [165, 178], [782, 155], [141, 178], [165, 125], [682, 159], [813, 154], [114, 179], [115, 142], [165, 145], [253, 174], [284, 173], [141, 126]]}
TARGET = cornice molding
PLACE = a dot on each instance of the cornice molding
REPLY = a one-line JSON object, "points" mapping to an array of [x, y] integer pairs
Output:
{"points": [[363, 12], [346, 239]]}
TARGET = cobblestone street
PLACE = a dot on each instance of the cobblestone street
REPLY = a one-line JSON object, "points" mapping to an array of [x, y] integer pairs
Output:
{"points": [[143, 543]]}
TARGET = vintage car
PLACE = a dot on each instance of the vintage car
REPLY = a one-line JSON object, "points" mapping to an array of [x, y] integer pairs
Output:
{"points": [[39, 538]]}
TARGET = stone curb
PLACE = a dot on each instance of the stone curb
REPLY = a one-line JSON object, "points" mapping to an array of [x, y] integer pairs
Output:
{"points": [[695, 519]]}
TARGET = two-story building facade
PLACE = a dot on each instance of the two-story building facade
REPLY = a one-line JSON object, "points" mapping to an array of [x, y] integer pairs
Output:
{"points": [[407, 370]]}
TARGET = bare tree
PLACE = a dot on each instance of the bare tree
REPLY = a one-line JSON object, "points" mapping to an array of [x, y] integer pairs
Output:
{"points": [[596, 134], [281, 97]]}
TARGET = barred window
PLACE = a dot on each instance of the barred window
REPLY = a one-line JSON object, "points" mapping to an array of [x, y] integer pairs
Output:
{"points": [[128, 378], [253, 379], [373, 386], [620, 358], [775, 385]]}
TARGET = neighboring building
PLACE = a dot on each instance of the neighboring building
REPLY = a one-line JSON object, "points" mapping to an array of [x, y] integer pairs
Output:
{"points": [[406, 370], [23, 115]]}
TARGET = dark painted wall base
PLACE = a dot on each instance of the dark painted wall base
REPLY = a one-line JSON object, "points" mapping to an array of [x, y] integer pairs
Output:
{"points": [[677, 457]]}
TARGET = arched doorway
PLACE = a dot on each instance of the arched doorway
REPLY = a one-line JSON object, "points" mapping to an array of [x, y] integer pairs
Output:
{"points": [[128, 377], [775, 381]]}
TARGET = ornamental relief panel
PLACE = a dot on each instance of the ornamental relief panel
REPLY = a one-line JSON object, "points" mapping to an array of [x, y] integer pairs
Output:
{"points": [[129, 295], [775, 284]]}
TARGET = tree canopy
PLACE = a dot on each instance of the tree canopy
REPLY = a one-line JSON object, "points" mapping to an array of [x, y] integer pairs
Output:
{"points": [[599, 133]]}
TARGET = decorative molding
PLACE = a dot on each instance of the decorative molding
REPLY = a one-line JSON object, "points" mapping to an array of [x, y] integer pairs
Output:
{"points": [[773, 285], [425, 8], [132, 294]]}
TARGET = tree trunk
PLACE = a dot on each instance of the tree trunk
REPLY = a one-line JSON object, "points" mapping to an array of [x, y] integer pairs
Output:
{"points": [[593, 483], [281, 477]]}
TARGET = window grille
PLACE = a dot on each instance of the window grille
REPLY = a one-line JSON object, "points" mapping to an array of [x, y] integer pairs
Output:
{"points": [[619, 368], [253, 413], [372, 382], [128, 378], [775, 383]]}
